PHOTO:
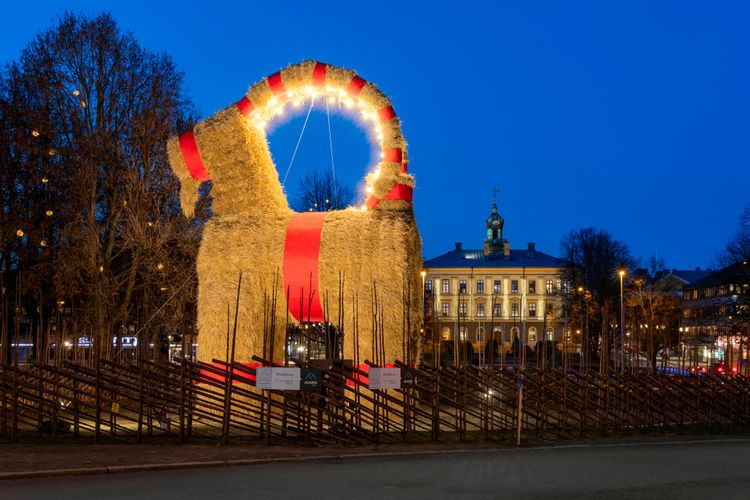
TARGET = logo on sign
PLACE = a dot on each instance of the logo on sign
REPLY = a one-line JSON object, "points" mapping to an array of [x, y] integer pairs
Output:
{"points": [[311, 379]]}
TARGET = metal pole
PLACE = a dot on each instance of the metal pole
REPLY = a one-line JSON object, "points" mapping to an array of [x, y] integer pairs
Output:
{"points": [[622, 326]]}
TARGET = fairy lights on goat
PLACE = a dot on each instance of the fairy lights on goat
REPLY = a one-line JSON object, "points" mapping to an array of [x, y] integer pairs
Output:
{"points": [[300, 98]]}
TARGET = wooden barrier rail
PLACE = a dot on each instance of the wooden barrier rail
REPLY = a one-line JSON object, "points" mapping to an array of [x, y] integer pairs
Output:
{"points": [[133, 401]]}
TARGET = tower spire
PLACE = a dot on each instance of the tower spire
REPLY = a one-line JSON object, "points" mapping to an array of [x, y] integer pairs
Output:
{"points": [[493, 244]]}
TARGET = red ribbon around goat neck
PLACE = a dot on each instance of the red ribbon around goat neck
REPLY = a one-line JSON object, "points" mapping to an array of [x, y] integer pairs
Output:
{"points": [[192, 157], [399, 192], [301, 256]]}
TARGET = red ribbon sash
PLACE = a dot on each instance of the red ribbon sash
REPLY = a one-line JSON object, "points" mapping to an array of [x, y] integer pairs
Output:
{"points": [[301, 254]]}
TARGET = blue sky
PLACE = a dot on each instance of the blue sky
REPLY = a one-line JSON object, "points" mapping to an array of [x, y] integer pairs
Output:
{"points": [[630, 116]]}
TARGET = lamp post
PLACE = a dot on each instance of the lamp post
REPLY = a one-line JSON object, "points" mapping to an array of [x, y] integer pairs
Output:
{"points": [[423, 273], [622, 324]]}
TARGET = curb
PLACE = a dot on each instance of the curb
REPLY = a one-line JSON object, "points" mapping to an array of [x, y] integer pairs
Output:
{"points": [[116, 469]]}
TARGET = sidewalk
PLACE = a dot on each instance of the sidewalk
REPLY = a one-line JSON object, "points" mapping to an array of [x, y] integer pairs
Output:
{"points": [[55, 459]]}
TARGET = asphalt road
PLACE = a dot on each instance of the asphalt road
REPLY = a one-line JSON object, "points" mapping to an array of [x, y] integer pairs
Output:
{"points": [[684, 470]]}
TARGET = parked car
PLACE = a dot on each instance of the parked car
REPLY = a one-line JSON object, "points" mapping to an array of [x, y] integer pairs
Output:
{"points": [[721, 368]]}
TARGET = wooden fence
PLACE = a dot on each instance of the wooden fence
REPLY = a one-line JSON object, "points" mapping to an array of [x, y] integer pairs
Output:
{"points": [[190, 402]]}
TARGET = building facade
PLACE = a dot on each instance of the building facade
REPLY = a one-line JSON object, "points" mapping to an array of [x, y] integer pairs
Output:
{"points": [[715, 324], [494, 294]]}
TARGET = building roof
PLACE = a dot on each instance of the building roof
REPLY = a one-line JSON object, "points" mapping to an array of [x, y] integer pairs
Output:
{"points": [[736, 273], [691, 275], [476, 258]]}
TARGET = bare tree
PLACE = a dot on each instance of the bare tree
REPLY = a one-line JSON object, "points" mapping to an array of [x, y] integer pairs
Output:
{"points": [[88, 113], [319, 192], [738, 247], [594, 257]]}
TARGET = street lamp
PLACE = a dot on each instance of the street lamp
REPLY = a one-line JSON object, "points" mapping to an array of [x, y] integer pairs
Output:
{"points": [[622, 323]]}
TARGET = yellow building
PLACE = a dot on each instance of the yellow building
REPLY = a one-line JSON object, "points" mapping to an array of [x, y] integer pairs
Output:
{"points": [[496, 293]]}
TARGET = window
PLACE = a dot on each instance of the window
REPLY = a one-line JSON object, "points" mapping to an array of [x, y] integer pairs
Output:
{"points": [[445, 333], [480, 333], [428, 286], [513, 286], [497, 332], [462, 333], [514, 309], [497, 287], [480, 309], [480, 286], [446, 308], [462, 286], [559, 284], [532, 310], [497, 311], [532, 335], [462, 309], [445, 286], [532, 287], [548, 286], [550, 334]]}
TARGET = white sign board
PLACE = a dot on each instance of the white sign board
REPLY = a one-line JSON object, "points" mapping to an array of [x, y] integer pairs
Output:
{"points": [[384, 378], [277, 378]]}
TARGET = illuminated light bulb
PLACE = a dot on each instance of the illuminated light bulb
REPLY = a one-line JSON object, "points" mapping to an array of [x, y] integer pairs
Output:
{"points": [[331, 100], [296, 103], [348, 103], [382, 155], [377, 173], [360, 103], [273, 101], [43, 243], [163, 288], [150, 224], [369, 189], [35, 133], [83, 104], [379, 135], [159, 266], [51, 152], [20, 233], [45, 180], [49, 213], [76, 93], [101, 269]]}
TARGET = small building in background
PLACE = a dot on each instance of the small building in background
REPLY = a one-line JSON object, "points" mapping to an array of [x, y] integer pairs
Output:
{"points": [[715, 323]]}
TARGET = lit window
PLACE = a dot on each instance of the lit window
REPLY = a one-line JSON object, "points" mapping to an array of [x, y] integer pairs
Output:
{"points": [[445, 286], [514, 309], [513, 286], [462, 309], [532, 286], [550, 335], [462, 286], [462, 333], [480, 286], [532, 310], [497, 311], [480, 309], [548, 286], [446, 308], [497, 287], [428, 286]]}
